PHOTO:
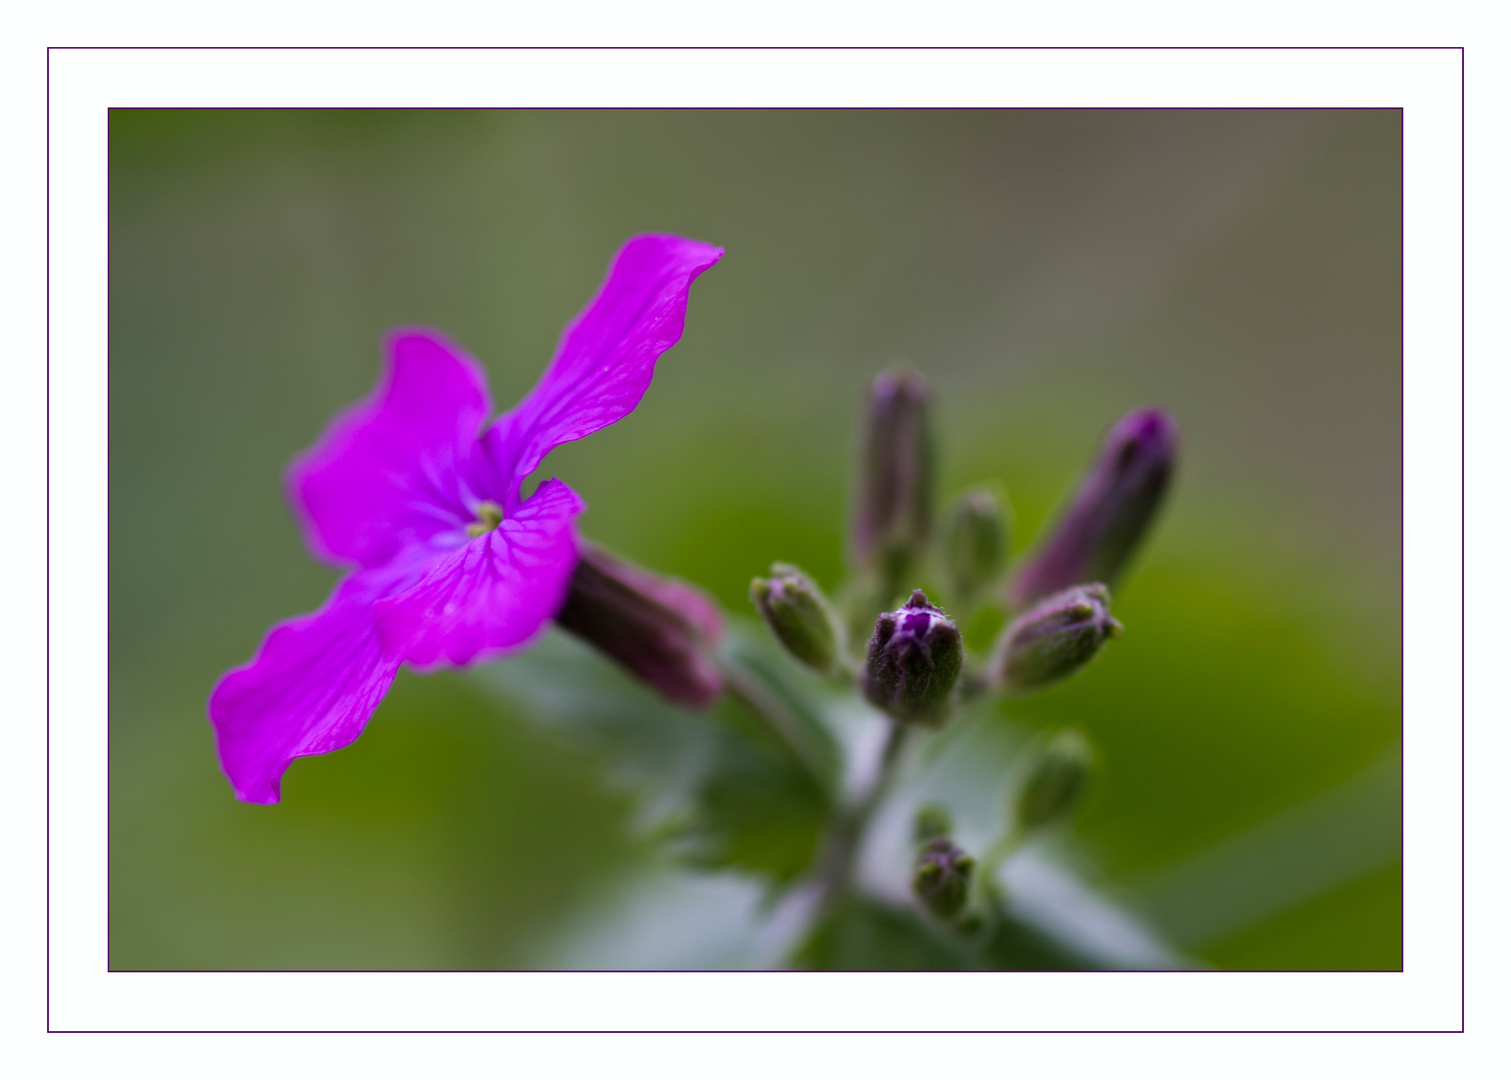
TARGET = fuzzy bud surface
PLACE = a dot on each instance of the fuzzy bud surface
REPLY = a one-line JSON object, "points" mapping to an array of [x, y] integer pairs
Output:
{"points": [[913, 661], [798, 615], [1054, 639]]}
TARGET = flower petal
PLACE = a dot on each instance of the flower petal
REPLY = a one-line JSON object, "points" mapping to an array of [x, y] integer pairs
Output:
{"points": [[309, 690], [493, 593], [389, 472], [607, 354]]}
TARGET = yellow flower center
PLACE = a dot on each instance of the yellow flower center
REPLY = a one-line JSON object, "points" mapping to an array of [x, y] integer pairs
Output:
{"points": [[489, 515]]}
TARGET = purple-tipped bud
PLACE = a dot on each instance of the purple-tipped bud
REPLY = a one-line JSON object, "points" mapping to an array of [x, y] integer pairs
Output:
{"points": [[662, 630], [798, 616], [913, 661], [1055, 638], [1055, 782], [894, 507], [942, 877], [975, 542], [1112, 510]]}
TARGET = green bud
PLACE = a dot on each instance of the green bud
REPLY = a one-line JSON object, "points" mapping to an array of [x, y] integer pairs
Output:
{"points": [[942, 877], [799, 616], [1054, 639], [1055, 782], [975, 542], [931, 821], [913, 661]]}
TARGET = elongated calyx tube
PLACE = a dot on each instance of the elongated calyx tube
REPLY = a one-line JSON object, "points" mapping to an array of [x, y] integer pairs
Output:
{"points": [[662, 630], [942, 876], [974, 542], [913, 661], [1055, 781], [1055, 638], [895, 496], [799, 616], [1110, 512]]}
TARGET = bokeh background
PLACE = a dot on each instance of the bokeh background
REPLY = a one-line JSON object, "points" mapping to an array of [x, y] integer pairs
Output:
{"points": [[1046, 270]]}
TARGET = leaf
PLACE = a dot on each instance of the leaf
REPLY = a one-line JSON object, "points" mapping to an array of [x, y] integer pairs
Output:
{"points": [[863, 934], [720, 785]]}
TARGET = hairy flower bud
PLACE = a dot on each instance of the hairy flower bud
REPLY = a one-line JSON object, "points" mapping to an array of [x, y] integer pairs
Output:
{"points": [[798, 616], [1055, 782], [975, 542], [894, 505], [662, 630], [1056, 638], [1117, 500], [912, 661], [942, 877]]}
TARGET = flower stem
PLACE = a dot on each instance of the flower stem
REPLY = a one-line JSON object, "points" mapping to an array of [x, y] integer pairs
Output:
{"points": [[837, 863], [778, 719]]}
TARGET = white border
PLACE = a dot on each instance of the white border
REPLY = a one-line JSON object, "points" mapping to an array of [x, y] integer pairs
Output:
{"points": [[84, 996]]}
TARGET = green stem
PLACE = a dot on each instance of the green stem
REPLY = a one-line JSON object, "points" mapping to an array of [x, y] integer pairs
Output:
{"points": [[837, 864], [778, 719]]}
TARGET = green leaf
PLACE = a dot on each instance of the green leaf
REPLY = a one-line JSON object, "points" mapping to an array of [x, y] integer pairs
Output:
{"points": [[721, 786]]}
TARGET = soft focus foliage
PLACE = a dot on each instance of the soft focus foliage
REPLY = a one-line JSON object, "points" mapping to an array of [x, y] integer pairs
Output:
{"points": [[1047, 272]]}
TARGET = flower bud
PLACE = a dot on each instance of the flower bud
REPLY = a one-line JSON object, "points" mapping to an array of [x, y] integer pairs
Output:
{"points": [[975, 542], [799, 616], [662, 630], [1110, 513], [894, 507], [913, 661], [942, 877], [1056, 638], [1055, 782], [931, 821]]}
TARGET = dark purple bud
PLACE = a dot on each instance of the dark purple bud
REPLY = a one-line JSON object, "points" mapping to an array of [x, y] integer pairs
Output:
{"points": [[942, 877], [894, 507], [799, 616], [913, 661], [662, 630], [1112, 510], [1055, 781], [1055, 638]]}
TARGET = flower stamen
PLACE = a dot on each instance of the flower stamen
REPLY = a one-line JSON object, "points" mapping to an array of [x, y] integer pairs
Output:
{"points": [[489, 516]]}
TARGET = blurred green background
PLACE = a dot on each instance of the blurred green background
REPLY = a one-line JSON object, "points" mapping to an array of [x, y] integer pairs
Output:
{"points": [[1046, 270]]}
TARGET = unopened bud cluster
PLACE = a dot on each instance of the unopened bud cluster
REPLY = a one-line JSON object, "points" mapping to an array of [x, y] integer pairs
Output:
{"points": [[1056, 605], [942, 876]]}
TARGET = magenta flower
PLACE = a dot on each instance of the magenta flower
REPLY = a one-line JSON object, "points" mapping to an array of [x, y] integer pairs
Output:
{"points": [[422, 502]]}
